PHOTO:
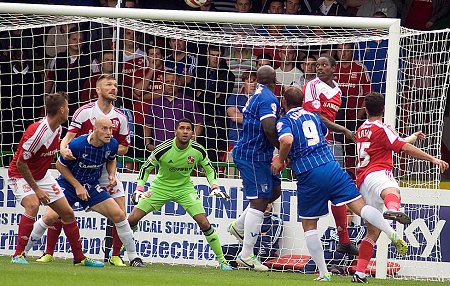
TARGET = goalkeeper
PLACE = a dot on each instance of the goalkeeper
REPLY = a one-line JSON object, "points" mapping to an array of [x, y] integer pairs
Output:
{"points": [[175, 159]]}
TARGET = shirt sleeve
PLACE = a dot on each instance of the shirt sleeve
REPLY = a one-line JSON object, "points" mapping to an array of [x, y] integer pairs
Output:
{"points": [[210, 171], [391, 140], [311, 101], [269, 107], [284, 128], [115, 147], [145, 170]]}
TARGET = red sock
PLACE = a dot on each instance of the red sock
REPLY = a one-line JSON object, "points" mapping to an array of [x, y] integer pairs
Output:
{"points": [[365, 254], [340, 218], [53, 233], [25, 227], [117, 243], [73, 236], [392, 202]]}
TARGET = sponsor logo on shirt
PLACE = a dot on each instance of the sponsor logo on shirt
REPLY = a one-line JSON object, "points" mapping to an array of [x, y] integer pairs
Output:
{"points": [[331, 105], [49, 153]]}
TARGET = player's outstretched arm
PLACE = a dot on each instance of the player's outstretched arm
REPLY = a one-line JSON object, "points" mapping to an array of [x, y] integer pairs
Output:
{"points": [[337, 128], [64, 146], [270, 130], [82, 193], [23, 169], [419, 154]]}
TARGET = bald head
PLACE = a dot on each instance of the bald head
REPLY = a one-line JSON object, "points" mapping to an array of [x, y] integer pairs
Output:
{"points": [[103, 128], [293, 97], [266, 75], [101, 121]]}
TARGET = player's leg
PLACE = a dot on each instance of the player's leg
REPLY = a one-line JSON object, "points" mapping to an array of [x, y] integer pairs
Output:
{"points": [[391, 198], [102, 203], [365, 253], [191, 202], [41, 225], [28, 199], [315, 249]]}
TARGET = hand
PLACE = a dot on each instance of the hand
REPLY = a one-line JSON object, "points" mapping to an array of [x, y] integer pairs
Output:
{"points": [[277, 165], [349, 135], [442, 164], [112, 182], [420, 135], [66, 153], [138, 194], [42, 196], [413, 137], [217, 192], [82, 193]]}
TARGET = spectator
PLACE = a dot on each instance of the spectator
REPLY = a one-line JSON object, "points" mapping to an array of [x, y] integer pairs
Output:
{"points": [[162, 116], [225, 5], [308, 66], [235, 104], [213, 84], [327, 8], [369, 8], [69, 70], [266, 59], [295, 7], [243, 6], [266, 246], [276, 7], [421, 15], [208, 6], [288, 74], [21, 97], [183, 64], [241, 60], [56, 40]]}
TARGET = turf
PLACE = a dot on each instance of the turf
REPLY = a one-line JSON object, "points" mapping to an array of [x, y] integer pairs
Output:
{"points": [[63, 273]]}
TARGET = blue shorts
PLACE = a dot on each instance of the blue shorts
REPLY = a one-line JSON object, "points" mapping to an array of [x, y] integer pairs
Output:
{"points": [[97, 194], [257, 179], [328, 182]]}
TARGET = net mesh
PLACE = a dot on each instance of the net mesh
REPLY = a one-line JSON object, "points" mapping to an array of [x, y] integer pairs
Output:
{"points": [[211, 68]]}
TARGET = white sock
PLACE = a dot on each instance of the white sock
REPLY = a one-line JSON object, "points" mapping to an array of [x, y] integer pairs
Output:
{"points": [[252, 229], [126, 236], [241, 219], [375, 218], [39, 227], [315, 249]]}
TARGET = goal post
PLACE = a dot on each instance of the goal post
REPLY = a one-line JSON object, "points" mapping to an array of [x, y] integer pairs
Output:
{"points": [[410, 67]]}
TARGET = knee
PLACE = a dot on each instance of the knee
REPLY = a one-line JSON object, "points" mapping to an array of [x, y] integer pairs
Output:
{"points": [[67, 216], [117, 216], [31, 206], [204, 225]]}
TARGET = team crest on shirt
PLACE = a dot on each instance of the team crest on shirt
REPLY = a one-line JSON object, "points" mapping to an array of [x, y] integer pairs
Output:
{"points": [[316, 104], [84, 156], [190, 159], [26, 155], [115, 123], [107, 153], [274, 108]]}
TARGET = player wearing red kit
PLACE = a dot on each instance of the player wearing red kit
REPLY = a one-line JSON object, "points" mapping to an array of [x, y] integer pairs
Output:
{"points": [[323, 97], [376, 143], [32, 183]]}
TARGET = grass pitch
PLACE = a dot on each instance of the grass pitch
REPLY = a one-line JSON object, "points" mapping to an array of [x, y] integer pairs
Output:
{"points": [[63, 273]]}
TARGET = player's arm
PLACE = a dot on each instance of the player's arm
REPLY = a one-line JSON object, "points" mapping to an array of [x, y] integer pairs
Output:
{"points": [[81, 192], [144, 172], [413, 137], [111, 168], [336, 127], [285, 147], [270, 130], [64, 146], [23, 169], [211, 176], [122, 150], [421, 155]]}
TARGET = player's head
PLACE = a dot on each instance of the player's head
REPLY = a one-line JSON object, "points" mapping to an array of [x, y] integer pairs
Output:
{"points": [[184, 131], [325, 68], [374, 104], [293, 97], [57, 104], [266, 75], [107, 87], [103, 128]]}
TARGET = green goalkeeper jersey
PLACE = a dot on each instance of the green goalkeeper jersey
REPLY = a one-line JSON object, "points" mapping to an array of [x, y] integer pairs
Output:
{"points": [[175, 165]]}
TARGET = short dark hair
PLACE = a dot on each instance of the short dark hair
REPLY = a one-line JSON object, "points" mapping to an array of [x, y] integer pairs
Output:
{"points": [[185, 120], [293, 96], [105, 77], [331, 60], [215, 48], [264, 57], [248, 74], [374, 103], [54, 101]]}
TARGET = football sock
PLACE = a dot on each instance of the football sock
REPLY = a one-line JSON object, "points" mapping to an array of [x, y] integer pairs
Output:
{"points": [[53, 233], [241, 219], [375, 218], [340, 218], [73, 236], [392, 202], [213, 239], [365, 254], [315, 249], [117, 243], [126, 236], [252, 229], [39, 228], [25, 227]]}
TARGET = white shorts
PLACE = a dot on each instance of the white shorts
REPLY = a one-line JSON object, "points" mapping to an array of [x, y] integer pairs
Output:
{"points": [[21, 189], [374, 184], [115, 192]]}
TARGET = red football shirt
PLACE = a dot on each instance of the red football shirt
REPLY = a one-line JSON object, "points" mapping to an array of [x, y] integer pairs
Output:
{"points": [[375, 143], [37, 147]]}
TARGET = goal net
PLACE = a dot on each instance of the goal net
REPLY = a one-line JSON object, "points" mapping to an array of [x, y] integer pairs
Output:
{"points": [[202, 66]]}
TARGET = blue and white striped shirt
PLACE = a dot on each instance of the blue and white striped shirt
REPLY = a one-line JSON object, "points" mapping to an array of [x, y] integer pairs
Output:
{"points": [[253, 145], [88, 166], [309, 149]]}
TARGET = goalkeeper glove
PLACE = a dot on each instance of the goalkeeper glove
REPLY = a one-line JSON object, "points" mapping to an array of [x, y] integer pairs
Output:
{"points": [[217, 192], [137, 194]]}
